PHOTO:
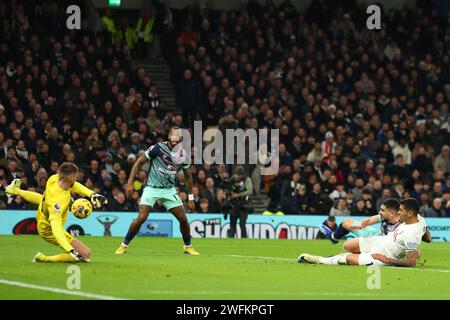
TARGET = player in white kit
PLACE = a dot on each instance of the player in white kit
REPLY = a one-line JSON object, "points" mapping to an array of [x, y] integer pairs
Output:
{"points": [[399, 248]]}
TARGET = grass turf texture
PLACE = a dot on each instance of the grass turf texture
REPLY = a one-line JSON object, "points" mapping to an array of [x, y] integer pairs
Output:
{"points": [[155, 268]]}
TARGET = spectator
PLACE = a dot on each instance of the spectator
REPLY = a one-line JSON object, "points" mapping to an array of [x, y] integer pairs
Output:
{"points": [[360, 209], [144, 31], [17, 203], [436, 210], [219, 202], [120, 203], [94, 173], [442, 161], [188, 97], [209, 191], [299, 202], [204, 206], [340, 209]]}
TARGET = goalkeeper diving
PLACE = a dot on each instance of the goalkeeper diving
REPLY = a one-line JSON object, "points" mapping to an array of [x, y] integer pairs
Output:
{"points": [[53, 209]]}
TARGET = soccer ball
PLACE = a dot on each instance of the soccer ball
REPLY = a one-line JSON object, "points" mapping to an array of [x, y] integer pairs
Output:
{"points": [[82, 208]]}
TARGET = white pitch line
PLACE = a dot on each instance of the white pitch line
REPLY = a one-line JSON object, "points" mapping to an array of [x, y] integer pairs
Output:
{"points": [[342, 294], [286, 259], [255, 257], [57, 290]]}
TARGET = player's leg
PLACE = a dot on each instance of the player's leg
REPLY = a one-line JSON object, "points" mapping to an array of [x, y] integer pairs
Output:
{"points": [[29, 196], [341, 231], [135, 226], [148, 199], [233, 222], [352, 245], [46, 233], [363, 259], [243, 220], [81, 248], [333, 260], [185, 229], [170, 200], [65, 257]]}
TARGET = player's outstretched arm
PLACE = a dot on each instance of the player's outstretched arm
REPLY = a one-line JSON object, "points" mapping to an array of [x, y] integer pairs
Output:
{"points": [[366, 222], [58, 232], [188, 184], [98, 200], [129, 188], [78, 188], [57, 226], [188, 180]]}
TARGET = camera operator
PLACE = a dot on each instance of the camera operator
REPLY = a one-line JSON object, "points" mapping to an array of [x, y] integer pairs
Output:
{"points": [[240, 188]]}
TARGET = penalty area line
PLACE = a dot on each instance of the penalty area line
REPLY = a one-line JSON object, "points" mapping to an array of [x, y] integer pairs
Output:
{"points": [[57, 290]]}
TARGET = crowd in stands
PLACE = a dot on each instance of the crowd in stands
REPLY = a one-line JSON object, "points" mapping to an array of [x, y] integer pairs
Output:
{"points": [[363, 114]]}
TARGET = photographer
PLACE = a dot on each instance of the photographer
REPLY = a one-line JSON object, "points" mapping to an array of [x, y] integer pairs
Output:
{"points": [[240, 188]]}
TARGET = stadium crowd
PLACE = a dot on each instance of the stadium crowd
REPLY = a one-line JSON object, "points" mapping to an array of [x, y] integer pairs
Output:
{"points": [[363, 114]]}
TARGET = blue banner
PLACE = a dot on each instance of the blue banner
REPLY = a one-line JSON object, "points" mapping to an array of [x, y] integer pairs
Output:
{"points": [[202, 225]]}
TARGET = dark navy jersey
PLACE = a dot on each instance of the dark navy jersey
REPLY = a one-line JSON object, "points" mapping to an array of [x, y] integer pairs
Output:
{"points": [[165, 164]]}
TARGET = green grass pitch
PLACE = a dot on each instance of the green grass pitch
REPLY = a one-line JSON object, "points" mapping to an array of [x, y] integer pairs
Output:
{"points": [[155, 268]]}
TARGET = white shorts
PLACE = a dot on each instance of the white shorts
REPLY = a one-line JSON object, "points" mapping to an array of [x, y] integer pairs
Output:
{"points": [[366, 259], [367, 246], [370, 245]]}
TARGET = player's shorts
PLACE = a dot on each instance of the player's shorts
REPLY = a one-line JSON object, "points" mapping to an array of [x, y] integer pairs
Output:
{"points": [[370, 245], [45, 231], [367, 246], [366, 259], [168, 197], [364, 233]]}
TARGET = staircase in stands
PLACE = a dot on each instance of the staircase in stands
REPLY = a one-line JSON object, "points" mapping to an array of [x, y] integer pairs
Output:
{"points": [[159, 73]]}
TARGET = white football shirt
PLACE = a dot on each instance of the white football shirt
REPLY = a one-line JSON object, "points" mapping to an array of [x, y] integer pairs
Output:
{"points": [[406, 237]]}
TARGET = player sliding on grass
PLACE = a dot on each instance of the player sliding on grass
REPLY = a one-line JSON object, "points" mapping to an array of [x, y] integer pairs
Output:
{"points": [[53, 210], [166, 159], [388, 217], [398, 248]]}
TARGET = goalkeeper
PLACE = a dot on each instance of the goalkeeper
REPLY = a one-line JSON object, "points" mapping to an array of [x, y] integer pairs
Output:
{"points": [[53, 211]]}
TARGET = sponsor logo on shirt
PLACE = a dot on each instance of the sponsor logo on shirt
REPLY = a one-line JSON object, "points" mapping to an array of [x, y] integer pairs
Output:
{"points": [[57, 208], [411, 245], [166, 171]]}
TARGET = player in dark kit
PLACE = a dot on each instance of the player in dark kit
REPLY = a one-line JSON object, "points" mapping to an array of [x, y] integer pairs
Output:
{"points": [[167, 158]]}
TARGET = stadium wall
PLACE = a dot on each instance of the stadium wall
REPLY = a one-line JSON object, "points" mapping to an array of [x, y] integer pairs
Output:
{"points": [[202, 225]]}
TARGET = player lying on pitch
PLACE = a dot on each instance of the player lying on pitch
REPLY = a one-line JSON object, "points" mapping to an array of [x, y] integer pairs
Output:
{"points": [[167, 158], [388, 217], [53, 211], [398, 248]]}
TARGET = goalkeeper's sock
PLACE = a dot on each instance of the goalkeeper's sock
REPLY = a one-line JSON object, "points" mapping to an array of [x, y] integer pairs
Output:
{"points": [[334, 260], [62, 257], [339, 233], [128, 237], [29, 196], [187, 241]]}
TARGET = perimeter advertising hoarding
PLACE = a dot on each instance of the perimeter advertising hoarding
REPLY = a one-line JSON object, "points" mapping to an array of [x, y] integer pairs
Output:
{"points": [[202, 225]]}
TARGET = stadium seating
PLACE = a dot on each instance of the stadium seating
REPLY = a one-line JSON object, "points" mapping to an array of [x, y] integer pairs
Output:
{"points": [[362, 115]]}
